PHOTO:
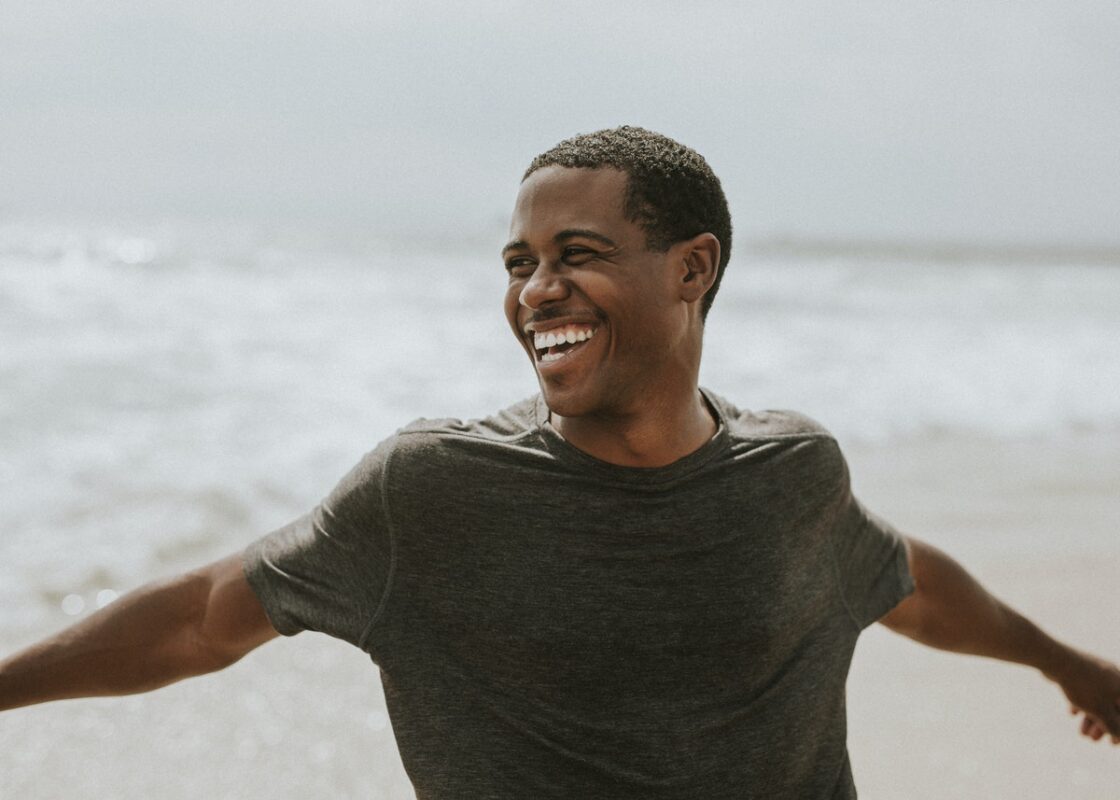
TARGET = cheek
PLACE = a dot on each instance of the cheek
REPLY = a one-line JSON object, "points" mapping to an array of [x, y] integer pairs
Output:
{"points": [[512, 305], [649, 330]]}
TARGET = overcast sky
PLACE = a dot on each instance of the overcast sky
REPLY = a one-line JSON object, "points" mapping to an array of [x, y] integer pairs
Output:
{"points": [[997, 122]]}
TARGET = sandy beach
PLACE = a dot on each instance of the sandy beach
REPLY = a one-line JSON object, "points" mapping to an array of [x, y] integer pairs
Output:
{"points": [[1036, 523], [1035, 520], [242, 244]]}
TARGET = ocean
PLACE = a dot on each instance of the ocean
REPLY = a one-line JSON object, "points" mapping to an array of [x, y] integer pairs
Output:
{"points": [[173, 390], [170, 392]]}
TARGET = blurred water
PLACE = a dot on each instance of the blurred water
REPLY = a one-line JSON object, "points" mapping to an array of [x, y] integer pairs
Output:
{"points": [[169, 393], [881, 350]]}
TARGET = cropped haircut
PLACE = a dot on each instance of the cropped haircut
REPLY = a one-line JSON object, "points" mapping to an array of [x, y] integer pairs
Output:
{"points": [[671, 192]]}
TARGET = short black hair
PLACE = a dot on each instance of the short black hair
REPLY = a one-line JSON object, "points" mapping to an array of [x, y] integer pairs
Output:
{"points": [[671, 191]]}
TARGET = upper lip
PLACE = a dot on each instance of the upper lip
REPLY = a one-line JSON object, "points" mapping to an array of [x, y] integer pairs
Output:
{"points": [[560, 322]]}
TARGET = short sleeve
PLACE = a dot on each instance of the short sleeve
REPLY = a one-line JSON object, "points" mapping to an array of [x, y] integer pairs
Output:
{"points": [[329, 570], [871, 561]]}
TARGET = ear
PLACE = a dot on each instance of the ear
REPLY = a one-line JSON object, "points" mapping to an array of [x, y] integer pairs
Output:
{"points": [[699, 265]]}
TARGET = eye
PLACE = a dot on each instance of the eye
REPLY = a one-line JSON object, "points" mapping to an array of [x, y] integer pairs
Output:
{"points": [[520, 266], [574, 254]]}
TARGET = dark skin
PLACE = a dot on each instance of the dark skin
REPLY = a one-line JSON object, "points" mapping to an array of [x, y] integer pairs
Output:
{"points": [[627, 395], [164, 631], [630, 395]]}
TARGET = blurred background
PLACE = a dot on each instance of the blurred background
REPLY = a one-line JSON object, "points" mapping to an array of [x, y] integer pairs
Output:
{"points": [[240, 244]]}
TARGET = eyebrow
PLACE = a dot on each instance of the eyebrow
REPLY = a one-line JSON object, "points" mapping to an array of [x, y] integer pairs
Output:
{"points": [[563, 236]]}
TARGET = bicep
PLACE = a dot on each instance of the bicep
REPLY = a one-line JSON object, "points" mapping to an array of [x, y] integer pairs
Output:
{"points": [[234, 621], [939, 582]]}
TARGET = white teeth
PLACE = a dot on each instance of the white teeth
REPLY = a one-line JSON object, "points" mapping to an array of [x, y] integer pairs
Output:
{"points": [[552, 356], [568, 336]]}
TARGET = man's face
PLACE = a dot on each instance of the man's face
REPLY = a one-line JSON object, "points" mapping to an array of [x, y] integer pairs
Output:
{"points": [[580, 274]]}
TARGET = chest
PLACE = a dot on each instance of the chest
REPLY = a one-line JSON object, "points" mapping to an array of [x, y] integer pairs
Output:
{"points": [[562, 584]]}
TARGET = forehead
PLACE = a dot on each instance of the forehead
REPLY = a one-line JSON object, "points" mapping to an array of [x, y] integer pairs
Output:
{"points": [[555, 198]]}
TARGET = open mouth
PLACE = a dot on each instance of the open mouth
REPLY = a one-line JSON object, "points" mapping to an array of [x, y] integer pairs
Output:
{"points": [[553, 345]]}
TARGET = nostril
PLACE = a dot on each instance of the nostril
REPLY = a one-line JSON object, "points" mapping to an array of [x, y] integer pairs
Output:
{"points": [[543, 285]]}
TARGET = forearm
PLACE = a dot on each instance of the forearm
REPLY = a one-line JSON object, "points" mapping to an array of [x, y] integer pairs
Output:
{"points": [[950, 610], [146, 639]]}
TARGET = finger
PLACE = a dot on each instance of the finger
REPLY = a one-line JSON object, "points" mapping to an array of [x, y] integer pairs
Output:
{"points": [[1092, 728]]}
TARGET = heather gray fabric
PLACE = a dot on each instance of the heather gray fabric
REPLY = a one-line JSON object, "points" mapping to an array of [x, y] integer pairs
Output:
{"points": [[548, 625]]}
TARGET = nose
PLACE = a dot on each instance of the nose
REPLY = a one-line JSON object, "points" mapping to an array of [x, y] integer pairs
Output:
{"points": [[545, 285]]}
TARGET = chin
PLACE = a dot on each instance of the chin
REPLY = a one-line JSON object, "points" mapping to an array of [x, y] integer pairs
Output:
{"points": [[578, 401], [568, 403]]}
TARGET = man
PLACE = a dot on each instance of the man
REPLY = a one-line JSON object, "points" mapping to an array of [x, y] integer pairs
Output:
{"points": [[622, 588]]}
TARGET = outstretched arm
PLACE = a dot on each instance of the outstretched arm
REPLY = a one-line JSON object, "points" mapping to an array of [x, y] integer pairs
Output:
{"points": [[160, 633], [950, 610]]}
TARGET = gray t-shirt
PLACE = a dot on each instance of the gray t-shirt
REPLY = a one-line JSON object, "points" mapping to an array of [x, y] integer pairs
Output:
{"points": [[549, 625]]}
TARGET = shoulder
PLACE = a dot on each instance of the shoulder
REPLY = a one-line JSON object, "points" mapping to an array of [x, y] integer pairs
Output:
{"points": [[768, 423], [431, 441], [781, 431], [429, 449], [513, 422]]}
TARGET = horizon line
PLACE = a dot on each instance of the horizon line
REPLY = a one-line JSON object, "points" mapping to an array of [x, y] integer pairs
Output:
{"points": [[946, 250]]}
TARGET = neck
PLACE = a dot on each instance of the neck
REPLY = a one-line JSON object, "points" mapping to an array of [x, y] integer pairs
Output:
{"points": [[660, 433]]}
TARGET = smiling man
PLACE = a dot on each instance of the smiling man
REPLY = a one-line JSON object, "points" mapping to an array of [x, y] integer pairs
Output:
{"points": [[624, 587], [612, 325]]}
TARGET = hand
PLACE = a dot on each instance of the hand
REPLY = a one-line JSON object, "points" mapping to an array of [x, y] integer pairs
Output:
{"points": [[1092, 686]]}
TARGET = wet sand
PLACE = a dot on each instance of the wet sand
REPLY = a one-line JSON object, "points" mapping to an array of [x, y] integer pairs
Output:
{"points": [[1035, 521]]}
